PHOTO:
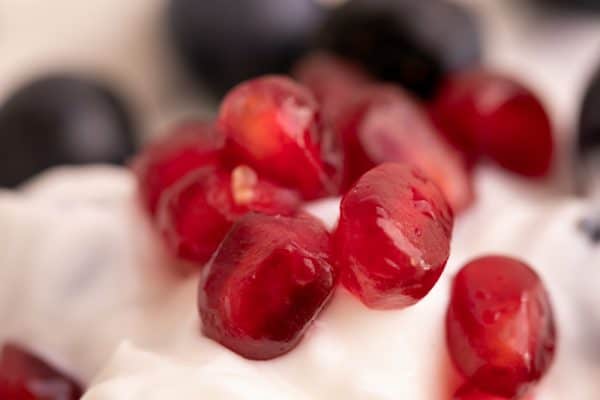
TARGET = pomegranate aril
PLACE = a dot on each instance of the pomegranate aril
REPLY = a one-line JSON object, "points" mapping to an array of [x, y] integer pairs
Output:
{"points": [[393, 238], [266, 284], [499, 326], [333, 81], [196, 213], [24, 376], [273, 125], [9, 391], [468, 392], [190, 146], [494, 116], [388, 125]]}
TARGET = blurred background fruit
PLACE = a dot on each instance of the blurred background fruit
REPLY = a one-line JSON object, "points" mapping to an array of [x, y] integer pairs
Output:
{"points": [[589, 118], [408, 42], [587, 151], [59, 120], [224, 42], [573, 4]]}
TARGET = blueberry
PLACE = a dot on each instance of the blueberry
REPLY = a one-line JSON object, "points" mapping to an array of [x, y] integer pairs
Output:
{"points": [[409, 42], [223, 42], [573, 4], [59, 120], [589, 118], [590, 227]]}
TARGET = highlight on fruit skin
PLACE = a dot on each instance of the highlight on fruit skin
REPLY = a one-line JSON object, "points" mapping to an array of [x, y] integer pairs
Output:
{"points": [[500, 327]]}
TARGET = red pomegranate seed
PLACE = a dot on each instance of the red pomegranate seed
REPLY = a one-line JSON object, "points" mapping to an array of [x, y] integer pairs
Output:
{"points": [[273, 125], [333, 81], [266, 284], [500, 329], [23, 376], [196, 213], [11, 391], [190, 146], [393, 238], [468, 392], [390, 126], [495, 116]]}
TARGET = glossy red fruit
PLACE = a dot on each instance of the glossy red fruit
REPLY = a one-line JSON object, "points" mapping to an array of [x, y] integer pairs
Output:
{"points": [[23, 376], [500, 329], [266, 284], [468, 392], [190, 146], [393, 238], [494, 116], [273, 125], [387, 125], [333, 81], [197, 212], [13, 391]]}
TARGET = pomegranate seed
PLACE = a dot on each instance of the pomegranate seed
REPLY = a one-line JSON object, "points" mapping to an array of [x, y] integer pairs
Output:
{"points": [[468, 392], [500, 329], [266, 284], [333, 81], [273, 125], [23, 376], [196, 213], [393, 237], [491, 115], [390, 126], [190, 146], [11, 391]]}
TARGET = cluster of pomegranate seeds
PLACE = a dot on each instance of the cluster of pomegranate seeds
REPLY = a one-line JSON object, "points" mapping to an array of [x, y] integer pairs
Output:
{"points": [[388, 125], [490, 115], [190, 146], [230, 192], [23, 376], [500, 328], [393, 237], [197, 212], [267, 282], [273, 124]]}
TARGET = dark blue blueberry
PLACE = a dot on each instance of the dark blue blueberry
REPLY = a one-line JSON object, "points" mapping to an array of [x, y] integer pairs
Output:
{"points": [[413, 43], [589, 118], [583, 5], [61, 120], [588, 139], [223, 42], [590, 226]]}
